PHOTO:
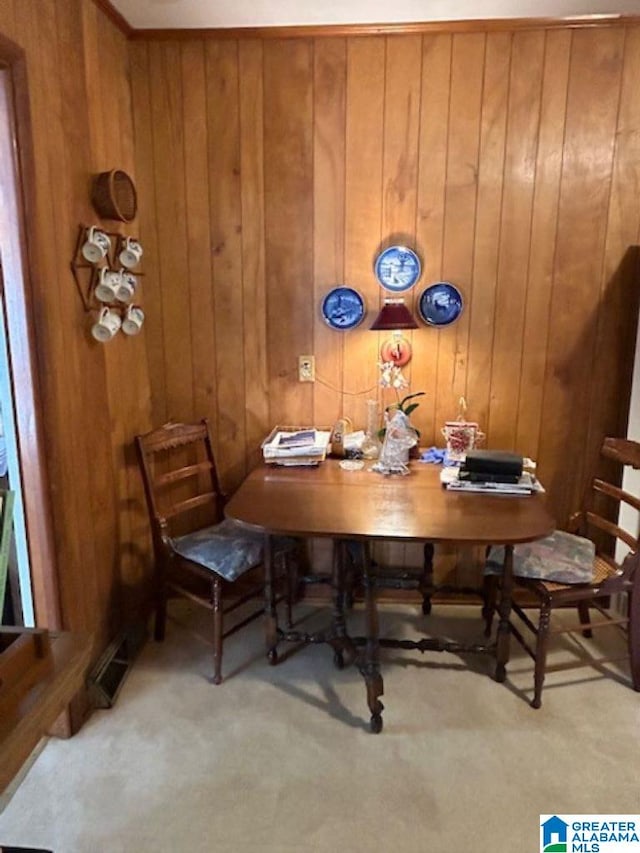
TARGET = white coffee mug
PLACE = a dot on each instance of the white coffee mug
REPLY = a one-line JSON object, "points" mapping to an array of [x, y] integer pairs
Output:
{"points": [[133, 320], [131, 253], [127, 287], [107, 325], [108, 285], [97, 246]]}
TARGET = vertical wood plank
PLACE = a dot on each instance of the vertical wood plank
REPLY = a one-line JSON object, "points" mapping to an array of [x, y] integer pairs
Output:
{"points": [[593, 93], [7, 18], [253, 247], [363, 215], [132, 388], [403, 79], [543, 240], [198, 224], [482, 306], [93, 78], [515, 235], [119, 358], [109, 480], [432, 171], [288, 153], [169, 175], [467, 65], [329, 90], [223, 118], [148, 219], [93, 484]]}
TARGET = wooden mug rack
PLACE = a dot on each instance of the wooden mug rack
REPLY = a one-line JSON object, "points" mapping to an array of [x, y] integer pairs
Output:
{"points": [[87, 275]]}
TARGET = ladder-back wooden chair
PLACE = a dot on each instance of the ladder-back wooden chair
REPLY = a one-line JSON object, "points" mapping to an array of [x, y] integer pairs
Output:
{"points": [[198, 553], [580, 568]]}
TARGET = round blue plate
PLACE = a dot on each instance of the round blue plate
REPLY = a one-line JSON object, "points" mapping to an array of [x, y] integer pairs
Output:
{"points": [[440, 304], [343, 308], [397, 268]]}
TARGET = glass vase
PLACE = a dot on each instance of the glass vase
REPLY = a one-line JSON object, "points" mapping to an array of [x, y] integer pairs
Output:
{"points": [[371, 444]]}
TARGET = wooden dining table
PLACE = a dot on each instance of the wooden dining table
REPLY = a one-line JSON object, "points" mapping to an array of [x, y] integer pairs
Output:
{"points": [[362, 505]]}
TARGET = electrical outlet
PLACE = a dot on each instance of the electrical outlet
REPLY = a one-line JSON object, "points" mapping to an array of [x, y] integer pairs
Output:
{"points": [[306, 368]]}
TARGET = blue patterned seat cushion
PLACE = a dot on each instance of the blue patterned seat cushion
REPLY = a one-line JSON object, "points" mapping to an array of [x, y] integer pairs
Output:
{"points": [[561, 557], [224, 548]]}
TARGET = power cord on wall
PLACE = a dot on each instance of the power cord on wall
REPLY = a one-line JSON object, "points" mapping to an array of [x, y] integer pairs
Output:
{"points": [[342, 391]]}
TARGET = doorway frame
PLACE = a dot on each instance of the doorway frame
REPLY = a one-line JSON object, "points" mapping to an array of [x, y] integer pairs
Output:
{"points": [[24, 367]]}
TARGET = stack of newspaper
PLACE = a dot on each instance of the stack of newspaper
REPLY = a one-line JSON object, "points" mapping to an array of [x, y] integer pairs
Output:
{"points": [[296, 447], [527, 484]]}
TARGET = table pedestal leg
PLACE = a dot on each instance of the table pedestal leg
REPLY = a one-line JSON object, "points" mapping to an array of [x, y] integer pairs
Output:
{"points": [[339, 638], [504, 609], [369, 664], [270, 610], [426, 579]]}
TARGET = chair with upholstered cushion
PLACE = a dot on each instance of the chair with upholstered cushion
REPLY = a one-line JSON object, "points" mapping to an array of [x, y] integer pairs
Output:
{"points": [[582, 568], [198, 553]]}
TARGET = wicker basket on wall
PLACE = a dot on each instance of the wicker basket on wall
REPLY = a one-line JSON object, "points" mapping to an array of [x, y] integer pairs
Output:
{"points": [[114, 196]]}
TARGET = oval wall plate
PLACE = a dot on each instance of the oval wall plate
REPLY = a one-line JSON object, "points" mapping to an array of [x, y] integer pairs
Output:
{"points": [[440, 304], [343, 308], [397, 268]]}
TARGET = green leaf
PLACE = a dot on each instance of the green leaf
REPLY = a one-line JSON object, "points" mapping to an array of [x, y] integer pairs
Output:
{"points": [[411, 396], [411, 408]]}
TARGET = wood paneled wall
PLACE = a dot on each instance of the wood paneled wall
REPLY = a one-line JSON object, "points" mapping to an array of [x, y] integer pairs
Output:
{"points": [[94, 397], [269, 171], [273, 170]]}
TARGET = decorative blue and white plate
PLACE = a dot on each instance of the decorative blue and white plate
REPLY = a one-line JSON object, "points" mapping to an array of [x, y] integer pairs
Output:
{"points": [[343, 308], [397, 268], [440, 304]]}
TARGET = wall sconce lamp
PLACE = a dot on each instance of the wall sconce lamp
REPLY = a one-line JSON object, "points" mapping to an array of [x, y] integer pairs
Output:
{"points": [[393, 317]]}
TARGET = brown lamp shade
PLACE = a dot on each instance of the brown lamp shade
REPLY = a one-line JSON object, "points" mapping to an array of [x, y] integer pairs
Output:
{"points": [[394, 315]]}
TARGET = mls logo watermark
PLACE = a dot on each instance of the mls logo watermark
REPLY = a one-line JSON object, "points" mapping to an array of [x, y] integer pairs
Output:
{"points": [[590, 833]]}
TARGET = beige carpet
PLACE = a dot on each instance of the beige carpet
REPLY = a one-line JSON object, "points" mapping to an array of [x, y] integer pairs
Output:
{"points": [[281, 759]]}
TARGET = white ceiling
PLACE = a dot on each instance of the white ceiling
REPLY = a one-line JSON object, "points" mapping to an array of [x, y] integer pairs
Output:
{"points": [[185, 14]]}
